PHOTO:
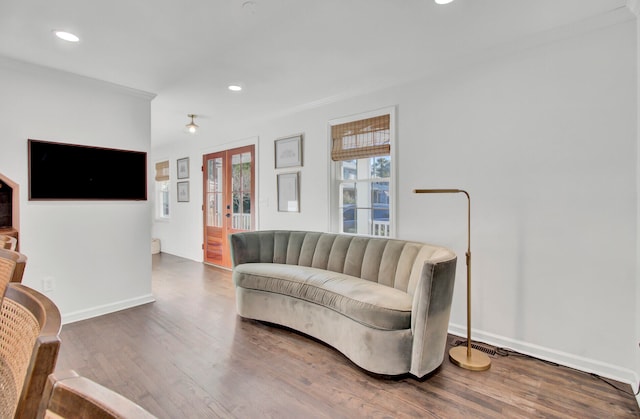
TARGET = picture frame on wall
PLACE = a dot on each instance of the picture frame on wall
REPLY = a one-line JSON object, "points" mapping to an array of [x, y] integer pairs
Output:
{"points": [[183, 191], [183, 168], [289, 192], [288, 151]]}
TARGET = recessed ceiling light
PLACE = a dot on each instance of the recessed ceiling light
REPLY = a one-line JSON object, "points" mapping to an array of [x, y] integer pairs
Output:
{"points": [[235, 87], [67, 36], [443, 1]]}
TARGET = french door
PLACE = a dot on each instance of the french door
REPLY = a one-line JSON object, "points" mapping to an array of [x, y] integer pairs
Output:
{"points": [[229, 196]]}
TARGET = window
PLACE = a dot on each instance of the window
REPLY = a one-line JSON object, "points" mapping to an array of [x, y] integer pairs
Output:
{"points": [[362, 175], [162, 189]]}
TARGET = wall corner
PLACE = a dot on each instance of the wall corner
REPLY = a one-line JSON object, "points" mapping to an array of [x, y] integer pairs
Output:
{"points": [[634, 7]]}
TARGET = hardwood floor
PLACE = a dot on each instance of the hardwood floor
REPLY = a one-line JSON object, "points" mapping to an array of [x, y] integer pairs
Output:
{"points": [[188, 355]]}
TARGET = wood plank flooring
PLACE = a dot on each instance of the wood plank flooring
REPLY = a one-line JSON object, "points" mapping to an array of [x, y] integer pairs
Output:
{"points": [[188, 355]]}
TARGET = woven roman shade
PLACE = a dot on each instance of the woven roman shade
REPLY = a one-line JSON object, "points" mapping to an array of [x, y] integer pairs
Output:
{"points": [[162, 171], [361, 139]]}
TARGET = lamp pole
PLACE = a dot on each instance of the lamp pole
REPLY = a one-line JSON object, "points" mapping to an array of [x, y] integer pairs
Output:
{"points": [[471, 359]]}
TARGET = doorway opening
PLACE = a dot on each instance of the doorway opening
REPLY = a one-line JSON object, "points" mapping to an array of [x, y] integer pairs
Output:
{"points": [[9, 207]]}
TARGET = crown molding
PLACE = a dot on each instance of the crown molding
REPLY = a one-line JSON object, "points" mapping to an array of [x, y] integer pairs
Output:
{"points": [[27, 67], [634, 7]]}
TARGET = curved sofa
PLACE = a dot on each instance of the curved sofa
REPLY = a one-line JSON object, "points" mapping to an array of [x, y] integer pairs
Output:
{"points": [[383, 303]]}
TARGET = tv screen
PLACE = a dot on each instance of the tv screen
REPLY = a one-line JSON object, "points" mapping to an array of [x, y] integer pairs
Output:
{"points": [[75, 172]]}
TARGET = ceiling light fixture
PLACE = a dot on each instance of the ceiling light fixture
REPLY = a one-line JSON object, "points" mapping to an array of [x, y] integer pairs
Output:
{"points": [[66, 36], [234, 87], [443, 1], [191, 126]]}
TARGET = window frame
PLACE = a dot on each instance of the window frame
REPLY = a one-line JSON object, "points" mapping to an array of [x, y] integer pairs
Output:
{"points": [[160, 202], [335, 181], [159, 216]]}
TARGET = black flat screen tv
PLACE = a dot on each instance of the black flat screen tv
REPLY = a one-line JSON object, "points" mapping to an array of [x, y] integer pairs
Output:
{"points": [[60, 171]]}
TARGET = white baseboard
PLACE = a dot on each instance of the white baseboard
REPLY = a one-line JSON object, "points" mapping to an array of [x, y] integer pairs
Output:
{"points": [[183, 255], [106, 309], [602, 369]]}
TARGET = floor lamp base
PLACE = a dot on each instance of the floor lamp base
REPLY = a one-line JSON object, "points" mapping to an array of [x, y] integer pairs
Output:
{"points": [[478, 361]]}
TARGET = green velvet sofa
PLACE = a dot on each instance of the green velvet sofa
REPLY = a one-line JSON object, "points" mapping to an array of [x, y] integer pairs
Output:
{"points": [[383, 303]]}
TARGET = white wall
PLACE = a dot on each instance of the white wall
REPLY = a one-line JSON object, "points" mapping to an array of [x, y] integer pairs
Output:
{"points": [[98, 253], [545, 141], [634, 6]]}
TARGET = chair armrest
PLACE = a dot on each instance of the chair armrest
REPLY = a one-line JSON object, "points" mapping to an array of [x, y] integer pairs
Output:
{"points": [[70, 396], [430, 315], [256, 246], [245, 248]]}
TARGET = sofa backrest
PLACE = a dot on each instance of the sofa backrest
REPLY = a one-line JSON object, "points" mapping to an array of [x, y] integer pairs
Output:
{"points": [[394, 263]]}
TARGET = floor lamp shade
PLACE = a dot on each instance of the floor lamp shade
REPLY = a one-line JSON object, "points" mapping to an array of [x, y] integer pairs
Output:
{"points": [[464, 357]]}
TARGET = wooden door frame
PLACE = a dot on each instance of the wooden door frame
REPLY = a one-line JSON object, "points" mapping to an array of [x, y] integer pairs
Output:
{"points": [[227, 189]]}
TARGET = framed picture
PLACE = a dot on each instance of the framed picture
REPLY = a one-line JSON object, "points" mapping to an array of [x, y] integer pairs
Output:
{"points": [[288, 151], [183, 191], [289, 192], [183, 168]]}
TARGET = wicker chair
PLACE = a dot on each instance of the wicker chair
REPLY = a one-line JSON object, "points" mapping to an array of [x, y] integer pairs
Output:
{"points": [[70, 396], [8, 242], [12, 266], [29, 344]]}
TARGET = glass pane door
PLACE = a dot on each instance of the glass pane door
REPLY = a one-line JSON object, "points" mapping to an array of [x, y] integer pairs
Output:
{"points": [[214, 192], [228, 200], [241, 182]]}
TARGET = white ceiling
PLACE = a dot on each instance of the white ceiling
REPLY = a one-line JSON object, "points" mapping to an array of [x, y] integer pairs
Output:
{"points": [[288, 54]]}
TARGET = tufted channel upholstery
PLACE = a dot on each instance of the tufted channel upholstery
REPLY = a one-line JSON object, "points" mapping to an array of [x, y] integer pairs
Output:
{"points": [[384, 303]]}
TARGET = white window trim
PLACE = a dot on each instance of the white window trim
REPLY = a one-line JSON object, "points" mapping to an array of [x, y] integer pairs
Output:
{"points": [[158, 202], [157, 211], [334, 199]]}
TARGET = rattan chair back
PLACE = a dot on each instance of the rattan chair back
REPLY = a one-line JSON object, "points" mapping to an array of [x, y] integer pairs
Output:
{"points": [[29, 343], [70, 396], [12, 266]]}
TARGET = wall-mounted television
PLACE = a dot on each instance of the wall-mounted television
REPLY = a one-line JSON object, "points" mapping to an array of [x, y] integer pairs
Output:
{"points": [[59, 171]]}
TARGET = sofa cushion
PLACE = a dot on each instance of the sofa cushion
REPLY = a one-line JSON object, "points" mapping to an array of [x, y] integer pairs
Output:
{"points": [[367, 302]]}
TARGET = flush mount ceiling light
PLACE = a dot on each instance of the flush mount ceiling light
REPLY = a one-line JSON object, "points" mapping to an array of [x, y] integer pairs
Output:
{"points": [[66, 36], [443, 1], [234, 87], [191, 126]]}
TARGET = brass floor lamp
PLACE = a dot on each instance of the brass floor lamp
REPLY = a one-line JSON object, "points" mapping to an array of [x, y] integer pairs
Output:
{"points": [[468, 358]]}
